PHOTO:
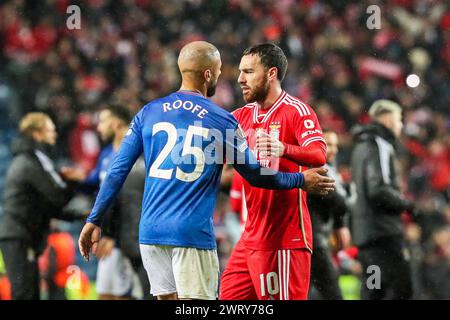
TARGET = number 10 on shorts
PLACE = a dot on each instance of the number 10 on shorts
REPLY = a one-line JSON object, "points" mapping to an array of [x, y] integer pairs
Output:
{"points": [[269, 282]]}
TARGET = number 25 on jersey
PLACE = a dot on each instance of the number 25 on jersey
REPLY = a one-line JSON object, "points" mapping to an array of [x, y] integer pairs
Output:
{"points": [[172, 137]]}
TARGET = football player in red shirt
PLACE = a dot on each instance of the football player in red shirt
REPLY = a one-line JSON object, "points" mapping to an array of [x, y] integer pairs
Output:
{"points": [[272, 260]]}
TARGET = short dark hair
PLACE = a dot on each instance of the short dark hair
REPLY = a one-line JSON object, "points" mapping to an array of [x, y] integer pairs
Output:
{"points": [[121, 112], [271, 56]]}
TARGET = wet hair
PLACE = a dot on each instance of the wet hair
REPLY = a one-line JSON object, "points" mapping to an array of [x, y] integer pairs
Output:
{"points": [[271, 56]]}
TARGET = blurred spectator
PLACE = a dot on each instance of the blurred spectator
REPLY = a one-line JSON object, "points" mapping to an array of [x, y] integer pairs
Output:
{"points": [[34, 193], [377, 227]]}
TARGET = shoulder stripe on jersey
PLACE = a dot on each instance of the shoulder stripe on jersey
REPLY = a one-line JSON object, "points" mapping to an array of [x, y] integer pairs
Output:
{"points": [[300, 104], [275, 106], [293, 103], [311, 140], [308, 111], [300, 110]]}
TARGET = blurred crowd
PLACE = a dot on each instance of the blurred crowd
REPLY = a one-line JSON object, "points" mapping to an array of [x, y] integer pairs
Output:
{"points": [[125, 52]]}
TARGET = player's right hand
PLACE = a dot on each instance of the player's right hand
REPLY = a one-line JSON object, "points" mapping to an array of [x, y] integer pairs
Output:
{"points": [[316, 181], [73, 174], [89, 238]]}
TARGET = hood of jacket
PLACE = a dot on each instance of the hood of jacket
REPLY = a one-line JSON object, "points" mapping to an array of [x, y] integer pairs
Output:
{"points": [[373, 130]]}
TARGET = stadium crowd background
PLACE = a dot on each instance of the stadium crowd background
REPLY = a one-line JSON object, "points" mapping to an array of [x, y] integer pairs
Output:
{"points": [[126, 52]]}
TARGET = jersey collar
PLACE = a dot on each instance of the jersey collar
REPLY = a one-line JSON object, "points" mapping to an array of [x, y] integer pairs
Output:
{"points": [[194, 93], [271, 110]]}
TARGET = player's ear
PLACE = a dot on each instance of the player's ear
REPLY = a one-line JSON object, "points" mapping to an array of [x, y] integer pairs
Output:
{"points": [[273, 73], [207, 74]]}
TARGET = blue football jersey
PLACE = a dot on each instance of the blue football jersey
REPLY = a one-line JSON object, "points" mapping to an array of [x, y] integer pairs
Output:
{"points": [[104, 161], [185, 139]]}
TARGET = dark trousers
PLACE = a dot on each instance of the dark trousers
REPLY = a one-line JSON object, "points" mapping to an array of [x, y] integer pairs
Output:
{"points": [[22, 269], [395, 274], [324, 277], [55, 292]]}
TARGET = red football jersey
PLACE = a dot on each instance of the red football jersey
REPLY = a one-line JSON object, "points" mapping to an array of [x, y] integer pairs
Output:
{"points": [[279, 219], [237, 204]]}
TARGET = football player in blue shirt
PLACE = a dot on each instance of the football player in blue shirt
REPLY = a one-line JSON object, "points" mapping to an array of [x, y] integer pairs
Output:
{"points": [[185, 139], [114, 272]]}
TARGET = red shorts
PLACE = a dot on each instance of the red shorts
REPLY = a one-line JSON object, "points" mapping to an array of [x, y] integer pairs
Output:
{"points": [[266, 275]]}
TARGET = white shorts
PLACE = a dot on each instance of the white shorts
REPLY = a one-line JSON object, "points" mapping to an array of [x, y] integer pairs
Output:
{"points": [[115, 275], [191, 273]]}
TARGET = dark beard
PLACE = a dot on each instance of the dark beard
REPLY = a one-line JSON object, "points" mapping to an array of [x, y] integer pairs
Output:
{"points": [[211, 91], [259, 94]]}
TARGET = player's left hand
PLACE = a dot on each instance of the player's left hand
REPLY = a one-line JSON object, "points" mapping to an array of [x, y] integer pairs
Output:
{"points": [[89, 238], [270, 146]]}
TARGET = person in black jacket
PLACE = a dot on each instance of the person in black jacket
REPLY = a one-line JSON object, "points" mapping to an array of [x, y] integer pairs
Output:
{"points": [[328, 215], [377, 227], [34, 194]]}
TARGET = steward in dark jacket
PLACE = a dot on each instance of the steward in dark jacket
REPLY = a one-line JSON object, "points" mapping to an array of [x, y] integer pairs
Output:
{"points": [[379, 203], [377, 227], [34, 194]]}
